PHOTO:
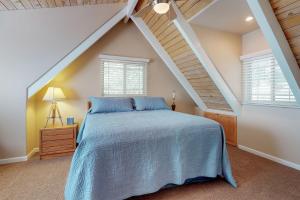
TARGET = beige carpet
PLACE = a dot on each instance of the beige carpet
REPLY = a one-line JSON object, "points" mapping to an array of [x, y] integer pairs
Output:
{"points": [[258, 179]]}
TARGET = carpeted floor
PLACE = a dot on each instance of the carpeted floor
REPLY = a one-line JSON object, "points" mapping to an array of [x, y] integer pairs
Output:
{"points": [[258, 179]]}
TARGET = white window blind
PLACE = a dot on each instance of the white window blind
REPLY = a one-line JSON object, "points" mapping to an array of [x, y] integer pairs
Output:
{"points": [[123, 77], [264, 82]]}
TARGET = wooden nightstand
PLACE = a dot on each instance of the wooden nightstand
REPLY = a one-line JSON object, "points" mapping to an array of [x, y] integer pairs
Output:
{"points": [[58, 141]]}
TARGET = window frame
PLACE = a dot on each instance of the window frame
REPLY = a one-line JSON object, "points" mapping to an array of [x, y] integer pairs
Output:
{"points": [[122, 59], [245, 90]]}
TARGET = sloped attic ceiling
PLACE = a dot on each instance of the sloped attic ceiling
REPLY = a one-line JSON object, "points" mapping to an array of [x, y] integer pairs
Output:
{"points": [[288, 15], [195, 70], [177, 41], [36, 4]]}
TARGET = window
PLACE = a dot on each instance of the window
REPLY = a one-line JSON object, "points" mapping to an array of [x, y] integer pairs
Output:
{"points": [[122, 76], [264, 82]]}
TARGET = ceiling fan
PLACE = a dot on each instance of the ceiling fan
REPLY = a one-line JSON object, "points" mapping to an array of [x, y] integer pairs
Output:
{"points": [[160, 7]]}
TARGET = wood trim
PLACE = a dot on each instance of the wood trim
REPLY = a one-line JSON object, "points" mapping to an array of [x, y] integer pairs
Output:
{"points": [[37, 4]]}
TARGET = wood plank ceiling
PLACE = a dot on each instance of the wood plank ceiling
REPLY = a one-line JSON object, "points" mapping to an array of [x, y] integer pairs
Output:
{"points": [[6, 5], [183, 56], [288, 15]]}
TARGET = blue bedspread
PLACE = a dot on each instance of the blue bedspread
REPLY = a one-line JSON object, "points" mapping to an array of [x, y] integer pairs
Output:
{"points": [[133, 153]]}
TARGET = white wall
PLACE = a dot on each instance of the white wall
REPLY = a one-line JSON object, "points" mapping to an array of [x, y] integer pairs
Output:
{"points": [[31, 42], [272, 130], [253, 42], [224, 49]]}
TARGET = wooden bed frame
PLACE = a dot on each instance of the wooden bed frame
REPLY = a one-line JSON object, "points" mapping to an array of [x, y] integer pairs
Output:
{"points": [[89, 105]]}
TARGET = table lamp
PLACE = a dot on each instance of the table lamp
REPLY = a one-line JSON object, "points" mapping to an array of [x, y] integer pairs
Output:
{"points": [[173, 98], [53, 95]]}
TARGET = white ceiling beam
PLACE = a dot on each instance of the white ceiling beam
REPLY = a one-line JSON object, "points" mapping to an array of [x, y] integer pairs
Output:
{"points": [[202, 10], [281, 49], [168, 61], [130, 8], [192, 39], [75, 53]]}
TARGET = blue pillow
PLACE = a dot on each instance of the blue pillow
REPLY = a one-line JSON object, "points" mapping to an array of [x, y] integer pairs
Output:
{"points": [[111, 104], [150, 103]]}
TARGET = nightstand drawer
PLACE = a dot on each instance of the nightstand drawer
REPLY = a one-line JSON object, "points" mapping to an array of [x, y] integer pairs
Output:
{"points": [[57, 134], [54, 149], [57, 143], [60, 141]]}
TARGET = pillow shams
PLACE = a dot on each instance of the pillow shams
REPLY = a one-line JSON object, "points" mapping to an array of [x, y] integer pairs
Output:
{"points": [[150, 103], [111, 104]]}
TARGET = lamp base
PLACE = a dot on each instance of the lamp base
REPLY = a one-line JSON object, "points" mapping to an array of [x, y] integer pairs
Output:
{"points": [[173, 106], [52, 114]]}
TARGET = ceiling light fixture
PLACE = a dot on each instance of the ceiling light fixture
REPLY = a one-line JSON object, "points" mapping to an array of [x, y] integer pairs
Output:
{"points": [[161, 6], [249, 19]]}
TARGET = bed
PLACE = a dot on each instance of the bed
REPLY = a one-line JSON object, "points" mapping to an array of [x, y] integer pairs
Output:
{"points": [[124, 154]]}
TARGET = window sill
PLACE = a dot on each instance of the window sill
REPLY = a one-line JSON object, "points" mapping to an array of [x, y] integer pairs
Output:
{"points": [[272, 105]]}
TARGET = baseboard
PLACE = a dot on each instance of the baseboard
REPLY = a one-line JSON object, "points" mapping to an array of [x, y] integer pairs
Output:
{"points": [[270, 157], [244, 148], [19, 159], [32, 152], [13, 160]]}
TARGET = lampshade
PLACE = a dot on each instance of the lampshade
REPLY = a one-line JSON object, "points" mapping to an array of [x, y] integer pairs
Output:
{"points": [[161, 7], [173, 94], [54, 94]]}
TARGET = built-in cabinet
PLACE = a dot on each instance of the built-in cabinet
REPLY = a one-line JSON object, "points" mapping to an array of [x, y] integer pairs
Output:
{"points": [[229, 122]]}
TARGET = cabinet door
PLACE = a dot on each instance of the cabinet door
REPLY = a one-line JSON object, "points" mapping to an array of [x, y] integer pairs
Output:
{"points": [[229, 124]]}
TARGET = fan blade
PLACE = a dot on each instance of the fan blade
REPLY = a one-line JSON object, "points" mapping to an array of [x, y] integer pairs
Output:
{"points": [[144, 10]]}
